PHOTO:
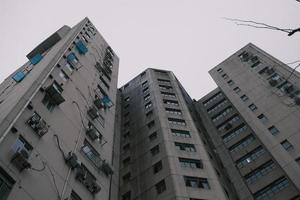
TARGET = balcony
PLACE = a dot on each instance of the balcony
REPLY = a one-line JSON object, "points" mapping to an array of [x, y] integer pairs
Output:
{"points": [[20, 160], [54, 91], [81, 47], [38, 124], [103, 102]]}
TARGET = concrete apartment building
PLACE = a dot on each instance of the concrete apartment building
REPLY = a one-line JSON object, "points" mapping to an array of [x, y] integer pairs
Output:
{"points": [[252, 120], [162, 155], [57, 116], [68, 133]]}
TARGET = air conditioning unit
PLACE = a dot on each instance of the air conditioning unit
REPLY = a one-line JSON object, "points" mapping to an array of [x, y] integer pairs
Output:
{"points": [[95, 188], [42, 128], [273, 82], [106, 168], [80, 174], [72, 160], [92, 133], [20, 160], [38, 124], [93, 113], [288, 88]]}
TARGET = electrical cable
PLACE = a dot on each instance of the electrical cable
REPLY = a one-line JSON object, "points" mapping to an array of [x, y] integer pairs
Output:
{"points": [[59, 147], [39, 170], [54, 181], [80, 113]]}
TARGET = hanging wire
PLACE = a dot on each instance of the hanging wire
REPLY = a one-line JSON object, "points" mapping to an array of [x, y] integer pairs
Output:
{"points": [[80, 113], [54, 181], [59, 147], [39, 170]]}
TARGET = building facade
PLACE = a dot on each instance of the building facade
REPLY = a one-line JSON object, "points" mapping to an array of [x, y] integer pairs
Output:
{"points": [[252, 120], [57, 120], [68, 133], [162, 155]]}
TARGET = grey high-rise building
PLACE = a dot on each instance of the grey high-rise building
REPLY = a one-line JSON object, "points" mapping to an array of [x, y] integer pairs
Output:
{"points": [[57, 115], [68, 133], [162, 155], [252, 120]]}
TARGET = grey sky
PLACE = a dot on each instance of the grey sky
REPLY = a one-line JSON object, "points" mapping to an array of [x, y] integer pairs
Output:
{"points": [[188, 37]]}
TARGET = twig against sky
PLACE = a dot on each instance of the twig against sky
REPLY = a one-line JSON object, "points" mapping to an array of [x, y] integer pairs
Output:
{"points": [[261, 25]]}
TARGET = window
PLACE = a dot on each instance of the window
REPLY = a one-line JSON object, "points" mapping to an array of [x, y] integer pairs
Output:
{"points": [[230, 82], [127, 99], [270, 190], [163, 80], [220, 70], [262, 118], [145, 90], [151, 124], [242, 144], [237, 89], [222, 114], [165, 87], [175, 121], [149, 113], [126, 135], [147, 97], [154, 150], [148, 105], [126, 161], [69, 67], [6, 184], [196, 182], [22, 145], [212, 98], [126, 147], [273, 130], [252, 107], [153, 136], [217, 106], [173, 111], [160, 187], [168, 94], [244, 97], [229, 121], [63, 76], [126, 196], [91, 154], [171, 102], [127, 124], [255, 65], [287, 145], [104, 82], [261, 171], [298, 161], [190, 163], [126, 177], [185, 147], [225, 76], [250, 157], [157, 167], [74, 196], [144, 84], [180, 133]]}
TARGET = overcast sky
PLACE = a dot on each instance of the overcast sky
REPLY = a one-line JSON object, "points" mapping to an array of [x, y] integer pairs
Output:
{"points": [[188, 37]]}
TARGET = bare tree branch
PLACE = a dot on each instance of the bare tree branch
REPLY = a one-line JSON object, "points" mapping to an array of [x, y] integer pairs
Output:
{"points": [[255, 24]]}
